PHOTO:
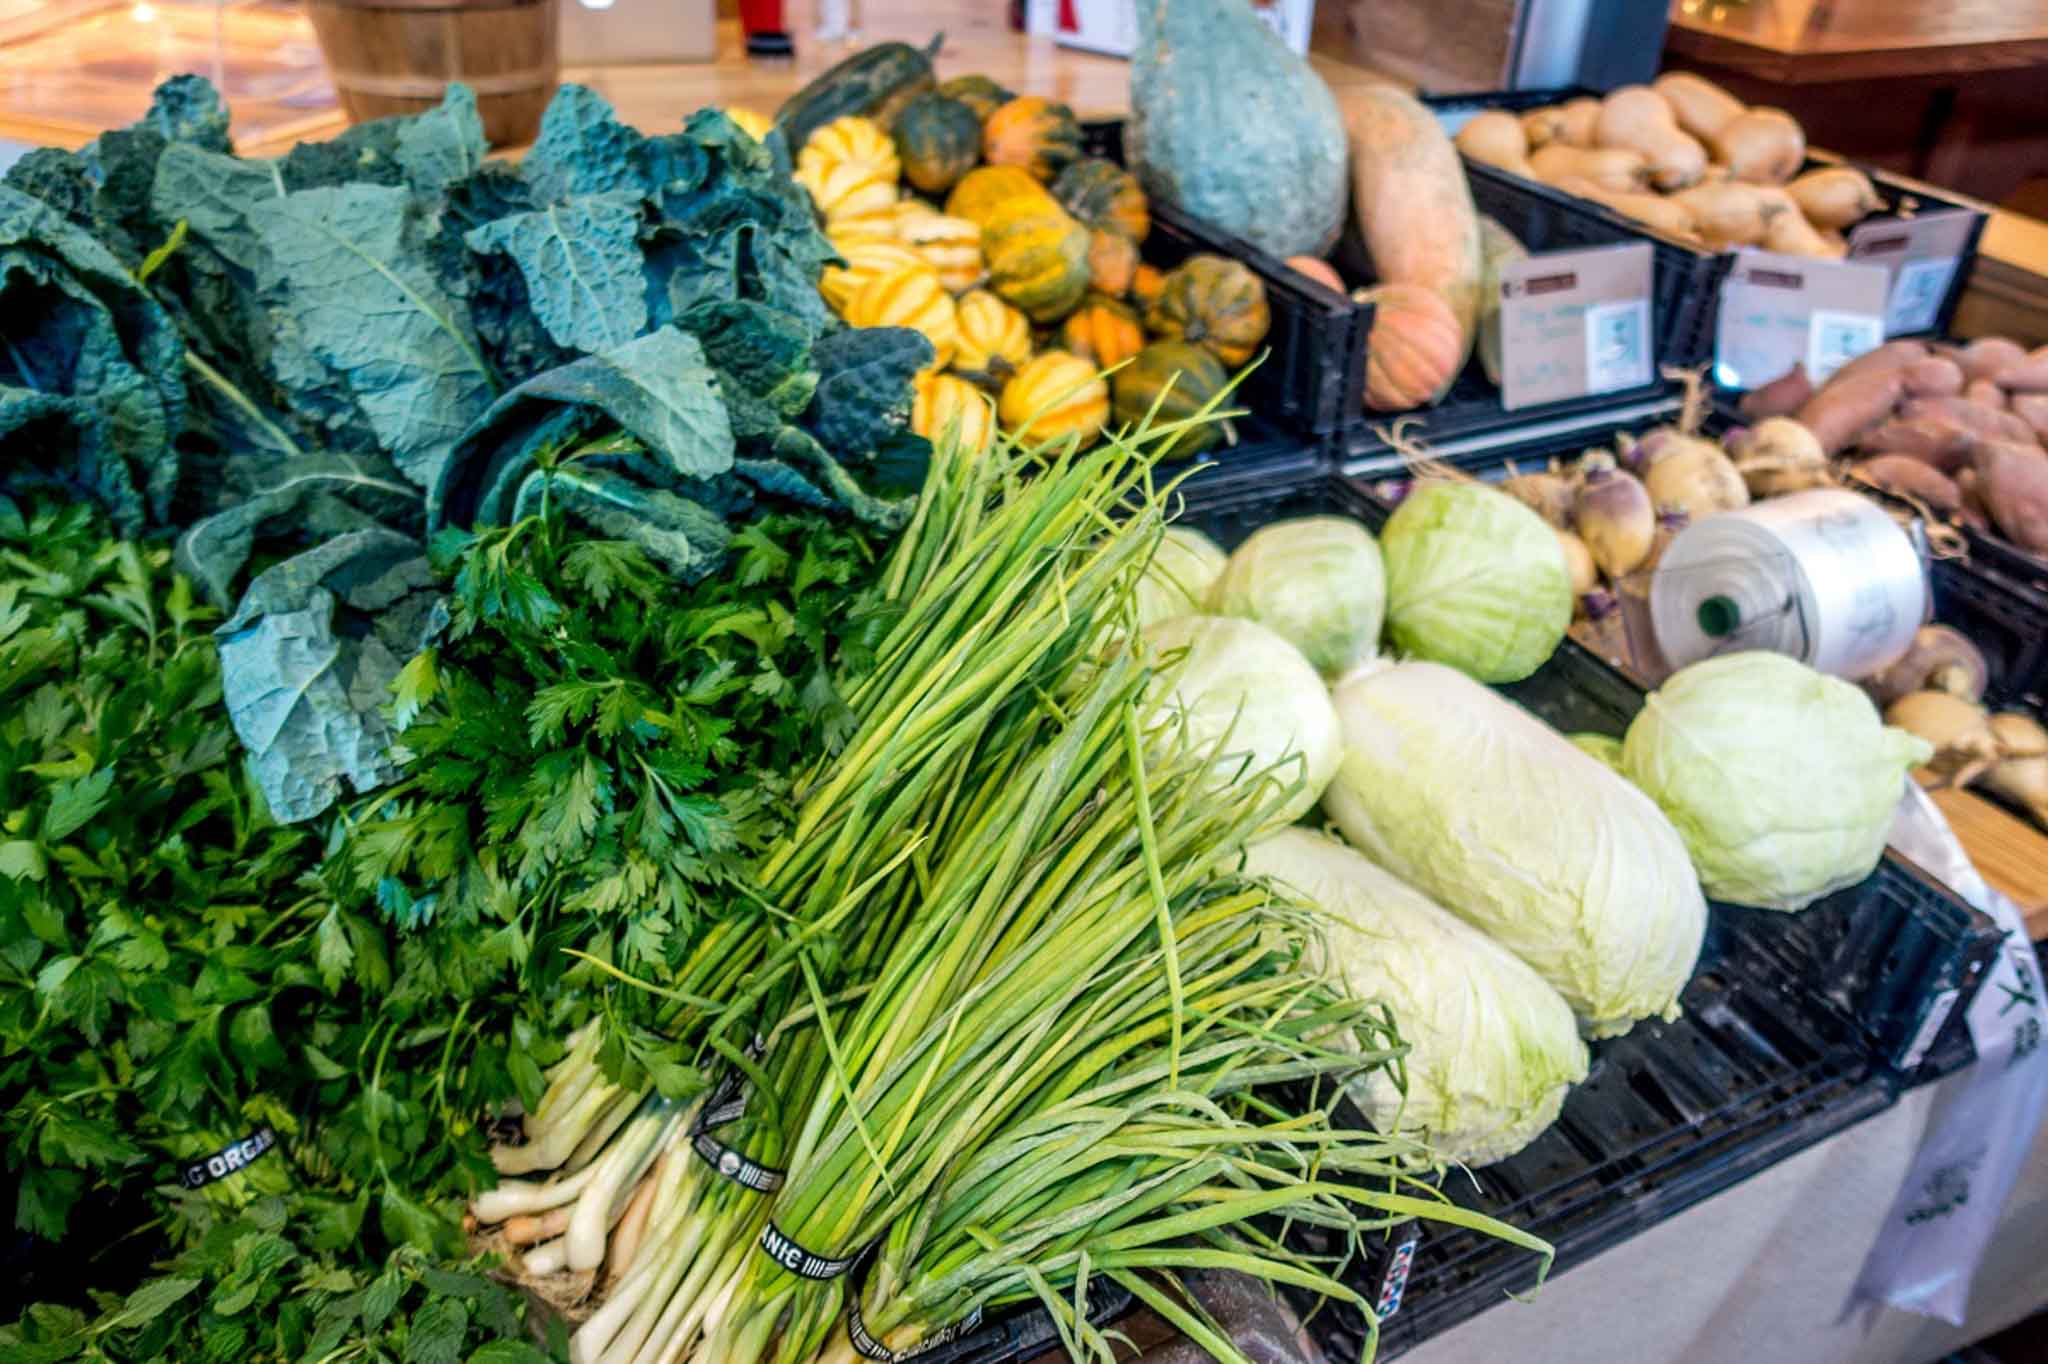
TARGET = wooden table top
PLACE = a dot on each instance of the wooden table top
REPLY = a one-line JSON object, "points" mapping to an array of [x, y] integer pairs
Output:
{"points": [[1809, 41]]}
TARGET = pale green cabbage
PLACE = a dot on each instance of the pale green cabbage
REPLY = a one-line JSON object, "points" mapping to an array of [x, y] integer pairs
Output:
{"points": [[1316, 582], [1492, 1048], [1228, 675], [1474, 579], [1605, 747], [1181, 576], [1782, 781], [1501, 820]]}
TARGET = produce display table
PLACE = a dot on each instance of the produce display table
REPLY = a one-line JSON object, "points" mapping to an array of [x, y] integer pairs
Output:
{"points": [[1762, 1272]]}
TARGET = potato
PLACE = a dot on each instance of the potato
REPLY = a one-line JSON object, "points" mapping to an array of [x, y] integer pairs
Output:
{"points": [[1763, 147], [1497, 139], [1791, 235], [1636, 118], [1613, 169], [1729, 215], [1835, 198], [1701, 107], [1652, 210]]}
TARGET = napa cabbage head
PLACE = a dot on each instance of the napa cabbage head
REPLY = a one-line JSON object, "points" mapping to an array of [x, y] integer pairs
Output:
{"points": [[1316, 582], [1783, 781], [1506, 823], [1474, 580], [1236, 686], [1493, 1049]]}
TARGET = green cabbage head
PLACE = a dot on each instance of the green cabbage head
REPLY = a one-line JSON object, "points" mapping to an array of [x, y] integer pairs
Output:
{"points": [[1181, 576], [1504, 822], [1316, 582], [1782, 780], [1492, 1048], [1234, 677], [1474, 579]]}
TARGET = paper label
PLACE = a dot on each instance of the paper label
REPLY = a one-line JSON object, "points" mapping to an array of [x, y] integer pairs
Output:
{"points": [[1921, 256], [1780, 311], [1575, 323], [1938, 1010]]}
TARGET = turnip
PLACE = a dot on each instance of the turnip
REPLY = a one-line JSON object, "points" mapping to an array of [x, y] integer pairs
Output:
{"points": [[2021, 773], [1941, 658], [1613, 515], [1578, 564], [1959, 729], [1779, 456], [1548, 495], [1692, 476]]}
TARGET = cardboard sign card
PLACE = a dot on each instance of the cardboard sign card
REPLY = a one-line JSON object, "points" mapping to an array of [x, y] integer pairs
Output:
{"points": [[1575, 323], [1921, 255], [1778, 311]]}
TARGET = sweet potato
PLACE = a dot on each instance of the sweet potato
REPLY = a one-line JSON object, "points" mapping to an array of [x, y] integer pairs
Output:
{"points": [[1836, 197], [2013, 484], [1701, 107], [1781, 397], [1934, 441], [1497, 139], [1844, 409], [1972, 488], [1763, 146], [2032, 408], [1729, 215], [1907, 476], [1983, 393], [1891, 355], [2028, 376], [1791, 235], [1935, 377], [1988, 356], [1639, 119], [1614, 169], [1986, 423]]}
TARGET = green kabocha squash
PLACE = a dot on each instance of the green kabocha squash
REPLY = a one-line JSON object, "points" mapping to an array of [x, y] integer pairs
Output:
{"points": [[1037, 258], [1215, 302], [1181, 378], [978, 93], [938, 140], [1037, 134], [874, 83], [1230, 126], [1104, 195]]}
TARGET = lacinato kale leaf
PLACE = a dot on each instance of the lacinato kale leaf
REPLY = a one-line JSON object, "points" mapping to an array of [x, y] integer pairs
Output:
{"points": [[581, 263]]}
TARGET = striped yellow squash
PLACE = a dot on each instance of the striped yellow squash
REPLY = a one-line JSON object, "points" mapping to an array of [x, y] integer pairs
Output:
{"points": [[1055, 396], [866, 257], [948, 406], [911, 297], [952, 246]]}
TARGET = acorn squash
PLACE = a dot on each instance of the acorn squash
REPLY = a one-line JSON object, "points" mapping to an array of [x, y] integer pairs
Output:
{"points": [[995, 339], [1181, 378], [1232, 127], [866, 257], [938, 140], [874, 82], [985, 189], [849, 141], [1103, 330], [854, 200], [951, 246], [1042, 137], [1037, 258], [1112, 262], [945, 405], [1103, 194], [1054, 397], [1216, 302], [912, 298], [756, 126], [978, 93], [1147, 283]]}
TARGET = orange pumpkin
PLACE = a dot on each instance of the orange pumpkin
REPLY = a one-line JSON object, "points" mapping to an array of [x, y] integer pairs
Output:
{"points": [[1055, 396], [1103, 330], [1415, 350], [911, 298], [1037, 134], [944, 404], [1112, 261], [1215, 302], [1317, 270]]}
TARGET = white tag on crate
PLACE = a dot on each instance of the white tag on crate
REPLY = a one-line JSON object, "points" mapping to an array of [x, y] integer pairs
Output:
{"points": [[1921, 255], [1780, 311], [1575, 323]]}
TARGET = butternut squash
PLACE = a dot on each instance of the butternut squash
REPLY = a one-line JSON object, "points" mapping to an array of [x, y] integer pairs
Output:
{"points": [[1501, 249], [1730, 215], [1638, 119], [1409, 191], [1792, 235], [1611, 168], [1837, 197], [1497, 139], [1701, 107], [1763, 147], [1667, 216]]}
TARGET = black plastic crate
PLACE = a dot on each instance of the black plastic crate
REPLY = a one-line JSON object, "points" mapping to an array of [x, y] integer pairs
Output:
{"points": [[1903, 198], [1309, 382]]}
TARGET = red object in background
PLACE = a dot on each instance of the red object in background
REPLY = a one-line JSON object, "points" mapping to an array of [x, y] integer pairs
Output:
{"points": [[767, 33]]}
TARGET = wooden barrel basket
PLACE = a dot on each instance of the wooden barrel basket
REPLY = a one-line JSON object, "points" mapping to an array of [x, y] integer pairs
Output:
{"points": [[399, 57]]}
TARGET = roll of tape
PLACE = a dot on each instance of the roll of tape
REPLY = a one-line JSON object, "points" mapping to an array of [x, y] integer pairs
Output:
{"points": [[1826, 576]]}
